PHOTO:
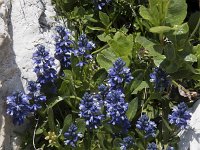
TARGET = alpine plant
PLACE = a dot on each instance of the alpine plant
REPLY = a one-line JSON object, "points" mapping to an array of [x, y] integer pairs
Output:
{"points": [[18, 107], [44, 64], [180, 116], [160, 79], [144, 124], [119, 74], [90, 110], [71, 136]]}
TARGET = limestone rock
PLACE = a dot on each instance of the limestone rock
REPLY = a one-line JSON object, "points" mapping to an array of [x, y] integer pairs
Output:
{"points": [[23, 24], [190, 138]]}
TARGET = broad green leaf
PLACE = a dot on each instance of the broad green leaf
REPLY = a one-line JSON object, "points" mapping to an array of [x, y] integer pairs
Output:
{"points": [[104, 37], [81, 125], [145, 13], [132, 109], [106, 58], [104, 18], [181, 29], [177, 12], [67, 123], [122, 45], [191, 58], [90, 18], [39, 131], [141, 87], [154, 50], [51, 119], [160, 29]]}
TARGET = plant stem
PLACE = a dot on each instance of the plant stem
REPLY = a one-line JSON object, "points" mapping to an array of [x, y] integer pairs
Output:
{"points": [[195, 29]]}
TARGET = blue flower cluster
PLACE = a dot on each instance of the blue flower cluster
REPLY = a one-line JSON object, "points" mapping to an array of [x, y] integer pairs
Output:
{"points": [[180, 116], [64, 46], [127, 143], [146, 125], [160, 79], [36, 96], [90, 110], [152, 146], [111, 97], [116, 108], [71, 136], [84, 49], [101, 3], [119, 74], [18, 106], [44, 65]]}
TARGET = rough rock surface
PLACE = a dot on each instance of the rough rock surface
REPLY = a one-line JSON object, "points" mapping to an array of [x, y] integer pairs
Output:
{"points": [[23, 24], [190, 138]]}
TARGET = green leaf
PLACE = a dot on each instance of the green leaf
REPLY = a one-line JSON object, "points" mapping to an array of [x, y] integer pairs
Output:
{"points": [[39, 131], [51, 119], [56, 101], [160, 29], [100, 76], [81, 125], [166, 124], [132, 109], [144, 12], [181, 29], [106, 58], [95, 28], [138, 78], [196, 50], [104, 37], [154, 50], [104, 18], [122, 45], [67, 123], [101, 137], [140, 87], [177, 12], [191, 58]]}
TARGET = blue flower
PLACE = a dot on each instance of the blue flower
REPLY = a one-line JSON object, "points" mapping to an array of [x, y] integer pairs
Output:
{"points": [[44, 65], [84, 49], [146, 125], [127, 143], [160, 79], [152, 146], [116, 108], [63, 46], [33, 87], [101, 3], [35, 95], [180, 116], [71, 136], [103, 90], [90, 110], [18, 106], [37, 100], [119, 74]]}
